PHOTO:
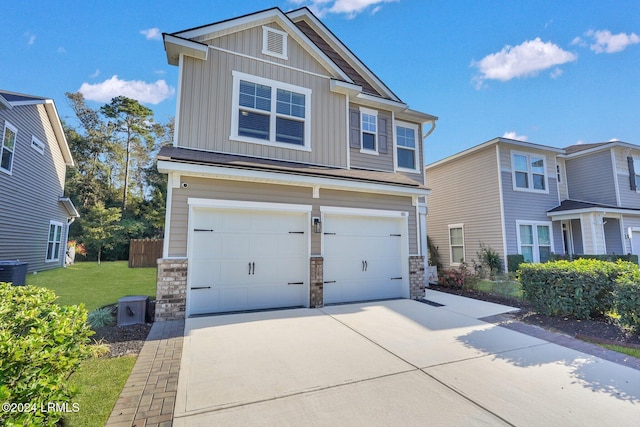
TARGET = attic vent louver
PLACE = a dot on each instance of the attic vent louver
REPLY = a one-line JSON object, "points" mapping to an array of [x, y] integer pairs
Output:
{"points": [[274, 42]]}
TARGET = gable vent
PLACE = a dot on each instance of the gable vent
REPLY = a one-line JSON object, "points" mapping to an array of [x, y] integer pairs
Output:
{"points": [[274, 42]]}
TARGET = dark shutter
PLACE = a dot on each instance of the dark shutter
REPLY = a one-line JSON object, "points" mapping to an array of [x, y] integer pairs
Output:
{"points": [[354, 128], [382, 134], [632, 173]]}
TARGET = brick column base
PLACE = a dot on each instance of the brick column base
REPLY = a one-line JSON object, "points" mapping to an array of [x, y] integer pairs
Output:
{"points": [[171, 289], [316, 290], [417, 278]]}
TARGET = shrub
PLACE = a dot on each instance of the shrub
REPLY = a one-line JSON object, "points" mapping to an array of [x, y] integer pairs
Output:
{"points": [[583, 288], [434, 254], [627, 299], [101, 317], [457, 278], [41, 343], [514, 261], [490, 262], [605, 257]]}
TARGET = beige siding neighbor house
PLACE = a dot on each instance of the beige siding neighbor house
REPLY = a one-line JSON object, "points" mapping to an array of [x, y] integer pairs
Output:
{"points": [[34, 213], [523, 198], [295, 177]]}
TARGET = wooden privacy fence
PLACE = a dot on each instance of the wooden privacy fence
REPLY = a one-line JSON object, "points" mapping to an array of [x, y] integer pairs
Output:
{"points": [[145, 252]]}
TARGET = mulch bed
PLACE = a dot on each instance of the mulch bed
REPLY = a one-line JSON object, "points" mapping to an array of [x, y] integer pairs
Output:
{"points": [[123, 340], [603, 330]]}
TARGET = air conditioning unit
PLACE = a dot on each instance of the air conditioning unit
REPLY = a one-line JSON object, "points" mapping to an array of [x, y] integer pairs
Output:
{"points": [[132, 310]]}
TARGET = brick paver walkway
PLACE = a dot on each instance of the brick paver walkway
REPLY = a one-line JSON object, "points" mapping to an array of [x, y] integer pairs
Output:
{"points": [[149, 396]]}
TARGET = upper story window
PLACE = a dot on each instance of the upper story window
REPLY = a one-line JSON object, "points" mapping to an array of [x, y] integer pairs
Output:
{"points": [[369, 130], [634, 172], [270, 112], [529, 172], [406, 146], [7, 149], [37, 145]]}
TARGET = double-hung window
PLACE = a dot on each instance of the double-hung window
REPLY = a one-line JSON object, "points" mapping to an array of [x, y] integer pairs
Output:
{"points": [[7, 148], [406, 146], [534, 241], [270, 112], [456, 243], [54, 242], [529, 172], [369, 130]]}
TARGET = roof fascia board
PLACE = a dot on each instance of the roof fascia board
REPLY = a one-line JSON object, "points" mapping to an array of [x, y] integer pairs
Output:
{"points": [[603, 147], [69, 206], [559, 215], [175, 46], [5, 104], [379, 84], [58, 130], [227, 173]]}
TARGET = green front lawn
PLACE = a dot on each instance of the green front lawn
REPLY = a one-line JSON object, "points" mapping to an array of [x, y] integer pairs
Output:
{"points": [[96, 285]]}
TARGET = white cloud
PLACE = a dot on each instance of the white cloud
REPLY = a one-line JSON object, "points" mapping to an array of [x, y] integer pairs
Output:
{"points": [[95, 74], [152, 33], [557, 72], [61, 49], [513, 135], [605, 42], [152, 93], [350, 8], [525, 60], [31, 38]]}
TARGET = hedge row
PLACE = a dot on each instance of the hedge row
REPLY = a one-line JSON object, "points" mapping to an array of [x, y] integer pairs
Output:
{"points": [[514, 260], [41, 343], [584, 288]]}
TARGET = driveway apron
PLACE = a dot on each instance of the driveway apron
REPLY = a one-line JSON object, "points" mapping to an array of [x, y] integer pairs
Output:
{"points": [[397, 362]]}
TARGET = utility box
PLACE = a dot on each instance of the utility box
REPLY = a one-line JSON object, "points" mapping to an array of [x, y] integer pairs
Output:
{"points": [[132, 310], [13, 271]]}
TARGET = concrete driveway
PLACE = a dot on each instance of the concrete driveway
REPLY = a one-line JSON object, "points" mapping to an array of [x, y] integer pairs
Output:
{"points": [[397, 362]]}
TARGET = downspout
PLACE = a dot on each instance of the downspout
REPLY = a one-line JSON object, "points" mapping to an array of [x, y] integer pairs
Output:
{"points": [[433, 127], [70, 220]]}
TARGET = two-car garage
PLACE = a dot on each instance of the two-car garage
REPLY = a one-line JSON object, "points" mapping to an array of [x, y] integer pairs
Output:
{"points": [[255, 255]]}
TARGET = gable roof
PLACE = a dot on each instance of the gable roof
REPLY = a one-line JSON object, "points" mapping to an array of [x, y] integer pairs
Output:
{"points": [[14, 99]]}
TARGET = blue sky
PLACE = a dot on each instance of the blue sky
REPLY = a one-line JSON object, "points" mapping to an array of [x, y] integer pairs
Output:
{"points": [[549, 72]]}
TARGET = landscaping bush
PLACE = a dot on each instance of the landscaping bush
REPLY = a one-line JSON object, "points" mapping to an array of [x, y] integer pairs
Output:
{"points": [[583, 288], [627, 299], [490, 263], [41, 343], [101, 317], [514, 261], [605, 257], [457, 278]]}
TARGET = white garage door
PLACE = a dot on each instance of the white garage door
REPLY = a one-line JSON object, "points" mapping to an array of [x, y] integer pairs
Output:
{"points": [[245, 260], [362, 258]]}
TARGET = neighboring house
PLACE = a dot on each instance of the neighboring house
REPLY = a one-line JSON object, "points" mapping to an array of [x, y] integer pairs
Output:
{"points": [[295, 177], [530, 199], [34, 154]]}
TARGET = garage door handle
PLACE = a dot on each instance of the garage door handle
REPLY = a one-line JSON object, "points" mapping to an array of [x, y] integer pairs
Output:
{"points": [[396, 278], [203, 229], [364, 265], [395, 235], [201, 287], [330, 281], [295, 283], [252, 268]]}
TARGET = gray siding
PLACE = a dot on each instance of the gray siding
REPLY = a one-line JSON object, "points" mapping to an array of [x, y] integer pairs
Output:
{"points": [[576, 231], [257, 192], [591, 178], [383, 161], [613, 236], [628, 198], [627, 222], [206, 100], [465, 191], [29, 196]]}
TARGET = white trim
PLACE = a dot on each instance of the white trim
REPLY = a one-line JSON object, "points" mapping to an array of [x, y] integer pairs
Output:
{"points": [[246, 205], [347, 132], [503, 227], [221, 172], [265, 42], [534, 229], [530, 173], [274, 85], [176, 121], [15, 146], [363, 212], [37, 145], [59, 241], [575, 213], [167, 217], [464, 251], [373, 113], [416, 152], [615, 176]]}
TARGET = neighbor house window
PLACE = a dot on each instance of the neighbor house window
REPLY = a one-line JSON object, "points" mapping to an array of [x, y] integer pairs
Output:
{"points": [[456, 243], [270, 112], [529, 172], [636, 172], [7, 149], [369, 130], [54, 242], [534, 241], [406, 146], [37, 145]]}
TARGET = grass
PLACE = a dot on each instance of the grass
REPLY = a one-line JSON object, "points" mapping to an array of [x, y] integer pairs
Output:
{"points": [[629, 351], [96, 285], [99, 381], [504, 288]]}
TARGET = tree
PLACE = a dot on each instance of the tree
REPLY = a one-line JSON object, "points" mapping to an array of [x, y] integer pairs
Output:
{"points": [[101, 227]]}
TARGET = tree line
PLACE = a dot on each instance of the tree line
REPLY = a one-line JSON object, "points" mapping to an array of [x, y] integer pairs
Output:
{"points": [[115, 184]]}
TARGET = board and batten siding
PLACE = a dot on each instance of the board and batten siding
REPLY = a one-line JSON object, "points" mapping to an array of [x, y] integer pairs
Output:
{"points": [[205, 106], [628, 198], [591, 178], [528, 205], [258, 192], [29, 196], [465, 191]]}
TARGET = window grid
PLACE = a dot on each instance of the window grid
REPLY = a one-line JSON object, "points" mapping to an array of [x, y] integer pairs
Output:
{"points": [[456, 244], [406, 144], [529, 172], [54, 242]]}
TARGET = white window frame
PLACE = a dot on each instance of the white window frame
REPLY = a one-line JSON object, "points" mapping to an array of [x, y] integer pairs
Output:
{"points": [[13, 129], [55, 254], [451, 261], [529, 172], [37, 145], [274, 85], [416, 152], [265, 43], [373, 113], [636, 170], [536, 246]]}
